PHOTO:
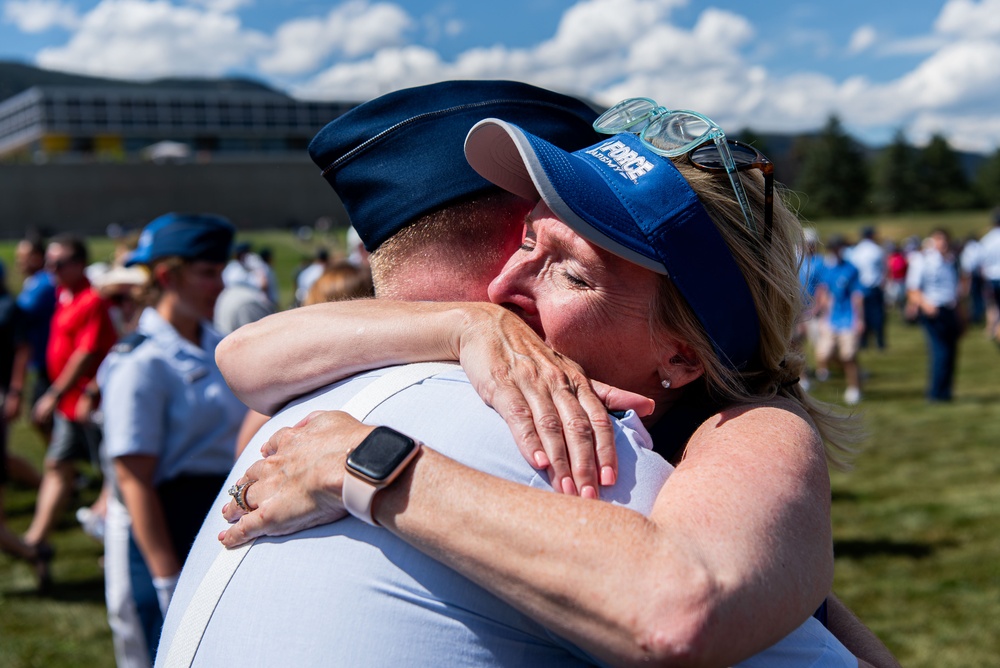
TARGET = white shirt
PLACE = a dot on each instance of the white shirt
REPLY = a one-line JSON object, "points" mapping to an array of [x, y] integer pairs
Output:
{"points": [[935, 276], [989, 254], [355, 595], [869, 258], [306, 278]]}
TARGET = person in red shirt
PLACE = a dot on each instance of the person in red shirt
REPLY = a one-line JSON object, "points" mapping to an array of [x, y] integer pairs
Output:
{"points": [[81, 335]]}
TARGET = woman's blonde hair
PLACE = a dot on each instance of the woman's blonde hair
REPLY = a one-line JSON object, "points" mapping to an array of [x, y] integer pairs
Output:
{"points": [[151, 293], [769, 263], [339, 282]]}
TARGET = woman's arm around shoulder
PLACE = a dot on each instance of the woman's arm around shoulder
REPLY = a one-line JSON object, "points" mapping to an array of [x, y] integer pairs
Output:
{"points": [[285, 355]]}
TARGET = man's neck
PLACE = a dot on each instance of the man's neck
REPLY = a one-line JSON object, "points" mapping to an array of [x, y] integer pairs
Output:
{"points": [[76, 287]]}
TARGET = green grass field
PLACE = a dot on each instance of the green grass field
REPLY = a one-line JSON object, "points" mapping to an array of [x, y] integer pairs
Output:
{"points": [[915, 523]]}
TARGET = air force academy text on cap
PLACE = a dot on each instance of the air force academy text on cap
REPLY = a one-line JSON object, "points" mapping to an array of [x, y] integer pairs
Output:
{"points": [[623, 159]]}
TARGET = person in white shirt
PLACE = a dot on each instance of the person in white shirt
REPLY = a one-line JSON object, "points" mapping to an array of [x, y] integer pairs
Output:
{"points": [[933, 287], [869, 258], [989, 259]]}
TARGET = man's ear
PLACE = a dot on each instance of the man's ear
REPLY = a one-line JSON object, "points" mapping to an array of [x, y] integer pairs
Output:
{"points": [[681, 365]]}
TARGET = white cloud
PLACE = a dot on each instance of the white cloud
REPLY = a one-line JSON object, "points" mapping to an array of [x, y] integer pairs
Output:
{"points": [[145, 39], [221, 6], [34, 16], [605, 50], [388, 70], [862, 39], [967, 18], [352, 29]]}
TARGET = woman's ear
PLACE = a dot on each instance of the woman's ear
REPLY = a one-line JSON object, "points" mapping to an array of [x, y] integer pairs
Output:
{"points": [[164, 275], [682, 365]]}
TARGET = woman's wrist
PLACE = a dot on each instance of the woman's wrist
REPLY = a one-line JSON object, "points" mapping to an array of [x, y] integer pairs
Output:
{"points": [[390, 501]]}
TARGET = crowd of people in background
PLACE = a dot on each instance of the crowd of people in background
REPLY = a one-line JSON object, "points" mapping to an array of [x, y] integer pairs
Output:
{"points": [[88, 350], [113, 363], [940, 284]]}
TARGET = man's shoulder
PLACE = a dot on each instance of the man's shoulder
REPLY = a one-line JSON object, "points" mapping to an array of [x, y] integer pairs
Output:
{"points": [[451, 385], [444, 399]]}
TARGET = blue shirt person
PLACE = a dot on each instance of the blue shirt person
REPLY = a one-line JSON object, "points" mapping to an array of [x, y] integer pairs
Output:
{"points": [[840, 299], [36, 304], [840, 280]]}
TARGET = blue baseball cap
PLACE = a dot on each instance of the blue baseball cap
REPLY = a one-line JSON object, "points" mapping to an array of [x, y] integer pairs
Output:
{"points": [[624, 198], [400, 156], [189, 236]]}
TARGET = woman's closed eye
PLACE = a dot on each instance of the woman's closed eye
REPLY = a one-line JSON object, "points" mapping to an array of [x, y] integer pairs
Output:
{"points": [[575, 280]]}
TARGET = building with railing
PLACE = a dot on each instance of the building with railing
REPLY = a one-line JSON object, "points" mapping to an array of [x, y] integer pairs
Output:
{"points": [[131, 123]]}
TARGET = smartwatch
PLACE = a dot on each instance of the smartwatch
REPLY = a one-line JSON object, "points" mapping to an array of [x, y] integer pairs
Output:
{"points": [[374, 464]]}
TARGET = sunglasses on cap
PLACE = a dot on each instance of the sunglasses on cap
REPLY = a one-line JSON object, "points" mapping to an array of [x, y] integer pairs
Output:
{"points": [[675, 133]]}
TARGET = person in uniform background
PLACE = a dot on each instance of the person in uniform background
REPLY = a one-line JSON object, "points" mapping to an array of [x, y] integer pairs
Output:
{"points": [[933, 287], [80, 336], [170, 425]]}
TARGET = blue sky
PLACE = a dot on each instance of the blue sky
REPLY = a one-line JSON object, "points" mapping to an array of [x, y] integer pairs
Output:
{"points": [[882, 65]]}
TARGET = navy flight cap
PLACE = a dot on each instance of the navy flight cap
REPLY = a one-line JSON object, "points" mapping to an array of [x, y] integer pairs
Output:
{"points": [[400, 156], [188, 236]]}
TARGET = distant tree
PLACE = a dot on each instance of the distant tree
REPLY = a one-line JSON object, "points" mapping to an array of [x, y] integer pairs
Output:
{"points": [[942, 179], [753, 138], [988, 180], [834, 177], [895, 175]]}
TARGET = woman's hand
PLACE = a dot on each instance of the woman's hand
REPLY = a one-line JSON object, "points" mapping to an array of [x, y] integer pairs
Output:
{"points": [[299, 482], [558, 417]]}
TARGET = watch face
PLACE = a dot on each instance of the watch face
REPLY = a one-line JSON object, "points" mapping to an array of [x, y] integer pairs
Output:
{"points": [[380, 454]]}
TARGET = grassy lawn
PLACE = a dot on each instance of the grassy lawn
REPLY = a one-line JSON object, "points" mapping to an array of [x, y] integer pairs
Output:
{"points": [[915, 523]]}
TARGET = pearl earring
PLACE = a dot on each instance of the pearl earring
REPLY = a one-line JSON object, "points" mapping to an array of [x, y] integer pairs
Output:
{"points": [[665, 383]]}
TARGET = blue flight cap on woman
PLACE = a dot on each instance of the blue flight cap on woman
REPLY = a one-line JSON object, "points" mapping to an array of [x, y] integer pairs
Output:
{"points": [[189, 236], [400, 156]]}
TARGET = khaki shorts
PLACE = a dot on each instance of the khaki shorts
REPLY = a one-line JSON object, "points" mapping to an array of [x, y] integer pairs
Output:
{"points": [[845, 342]]}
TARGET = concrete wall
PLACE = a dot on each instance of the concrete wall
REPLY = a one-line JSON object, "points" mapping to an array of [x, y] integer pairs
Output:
{"points": [[86, 198]]}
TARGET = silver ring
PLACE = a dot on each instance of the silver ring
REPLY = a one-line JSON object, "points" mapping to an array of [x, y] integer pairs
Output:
{"points": [[239, 494]]}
